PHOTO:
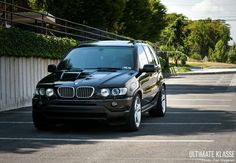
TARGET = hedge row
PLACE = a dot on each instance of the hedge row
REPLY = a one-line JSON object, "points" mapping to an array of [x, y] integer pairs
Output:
{"points": [[20, 43]]}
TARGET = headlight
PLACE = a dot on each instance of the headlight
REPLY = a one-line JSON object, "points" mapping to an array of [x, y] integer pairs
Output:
{"points": [[119, 91], [42, 91], [49, 92], [105, 92], [115, 91], [134, 86], [123, 91]]}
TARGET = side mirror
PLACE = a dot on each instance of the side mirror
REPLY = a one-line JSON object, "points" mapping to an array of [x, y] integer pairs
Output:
{"points": [[149, 68], [52, 68]]}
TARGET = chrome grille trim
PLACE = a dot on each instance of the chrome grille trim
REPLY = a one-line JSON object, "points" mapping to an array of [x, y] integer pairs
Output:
{"points": [[66, 92], [84, 92]]}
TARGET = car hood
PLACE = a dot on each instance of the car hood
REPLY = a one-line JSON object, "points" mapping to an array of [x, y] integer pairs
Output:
{"points": [[89, 78]]}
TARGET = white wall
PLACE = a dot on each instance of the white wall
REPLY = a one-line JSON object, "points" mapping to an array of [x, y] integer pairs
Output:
{"points": [[18, 78]]}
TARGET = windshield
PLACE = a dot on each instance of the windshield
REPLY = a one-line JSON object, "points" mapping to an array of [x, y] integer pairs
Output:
{"points": [[98, 57]]}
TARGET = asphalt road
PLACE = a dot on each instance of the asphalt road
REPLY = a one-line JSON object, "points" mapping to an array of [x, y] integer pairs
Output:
{"points": [[200, 126]]}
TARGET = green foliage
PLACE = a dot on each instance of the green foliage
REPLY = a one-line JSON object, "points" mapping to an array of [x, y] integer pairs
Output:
{"points": [[173, 35], [146, 20], [196, 56], [23, 3], [182, 69], [173, 38], [104, 14], [231, 57], [183, 58], [139, 19], [143, 19], [19, 43], [201, 35], [219, 53], [164, 64], [196, 39], [176, 56]]}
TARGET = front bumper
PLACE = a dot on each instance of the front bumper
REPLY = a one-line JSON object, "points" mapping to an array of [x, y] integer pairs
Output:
{"points": [[64, 109]]}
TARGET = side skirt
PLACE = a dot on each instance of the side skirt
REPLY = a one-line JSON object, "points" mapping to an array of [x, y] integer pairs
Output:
{"points": [[150, 105]]}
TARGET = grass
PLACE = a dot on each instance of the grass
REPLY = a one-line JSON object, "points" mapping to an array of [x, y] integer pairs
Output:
{"points": [[189, 64], [179, 69], [210, 64]]}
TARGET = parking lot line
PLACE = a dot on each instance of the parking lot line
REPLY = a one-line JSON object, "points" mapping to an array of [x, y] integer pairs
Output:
{"points": [[197, 112], [10, 122], [17, 112], [209, 105], [182, 123], [113, 140], [205, 100]]}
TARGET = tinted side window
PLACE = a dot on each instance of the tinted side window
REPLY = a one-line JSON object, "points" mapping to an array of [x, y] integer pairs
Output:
{"points": [[154, 54], [151, 59], [142, 57]]}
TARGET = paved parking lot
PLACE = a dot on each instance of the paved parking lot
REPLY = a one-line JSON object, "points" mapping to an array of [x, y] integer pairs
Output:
{"points": [[200, 126]]}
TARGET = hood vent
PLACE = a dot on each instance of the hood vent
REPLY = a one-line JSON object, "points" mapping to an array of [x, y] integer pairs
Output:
{"points": [[69, 76]]}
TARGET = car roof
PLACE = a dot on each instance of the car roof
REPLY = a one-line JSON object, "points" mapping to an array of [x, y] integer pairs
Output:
{"points": [[111, 43]]}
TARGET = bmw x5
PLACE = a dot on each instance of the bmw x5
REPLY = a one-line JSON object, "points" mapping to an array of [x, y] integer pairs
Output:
{"points": [[114, 81]]}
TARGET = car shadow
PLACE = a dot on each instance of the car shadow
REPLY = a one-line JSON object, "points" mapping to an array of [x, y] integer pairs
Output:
{"points": [[177, 122], [89, 133], [175, 89]]}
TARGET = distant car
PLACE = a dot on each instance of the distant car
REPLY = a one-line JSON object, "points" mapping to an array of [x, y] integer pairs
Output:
{"points": [[106, 80]]}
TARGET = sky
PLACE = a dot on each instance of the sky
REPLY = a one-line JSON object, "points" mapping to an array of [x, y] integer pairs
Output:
{"points": [[200, 9]]}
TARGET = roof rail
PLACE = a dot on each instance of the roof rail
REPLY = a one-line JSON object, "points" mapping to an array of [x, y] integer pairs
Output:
{"points": [[137, 41]]}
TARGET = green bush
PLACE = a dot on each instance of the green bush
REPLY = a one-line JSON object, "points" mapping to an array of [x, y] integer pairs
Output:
{"points": [[196, 56], [183, 59], [20, 43]]}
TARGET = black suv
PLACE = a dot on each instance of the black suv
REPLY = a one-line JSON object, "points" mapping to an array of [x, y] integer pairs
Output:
{"points": [[106, 80]]}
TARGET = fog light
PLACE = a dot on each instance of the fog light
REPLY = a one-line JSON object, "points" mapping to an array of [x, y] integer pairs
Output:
{"points": [[114, 104]]}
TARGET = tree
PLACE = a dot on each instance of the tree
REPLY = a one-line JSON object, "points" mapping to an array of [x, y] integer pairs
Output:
{"points": [[143, 19], [100, 14], [140, 19], [174, 40], [105, 14], [202, 35], [219, 53], [231, 56], [170, 22], [174, 54], [198, 38]]}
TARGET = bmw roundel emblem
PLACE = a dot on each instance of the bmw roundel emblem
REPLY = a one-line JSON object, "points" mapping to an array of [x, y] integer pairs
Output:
{"points": [[76, 83]]}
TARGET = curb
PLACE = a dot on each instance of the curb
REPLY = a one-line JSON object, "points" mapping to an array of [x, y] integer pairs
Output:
{"points": [[205, 73]]}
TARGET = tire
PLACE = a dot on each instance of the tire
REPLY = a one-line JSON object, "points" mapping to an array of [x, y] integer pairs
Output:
{"points": [[160, 109], [41, 123], [135, 115]]}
